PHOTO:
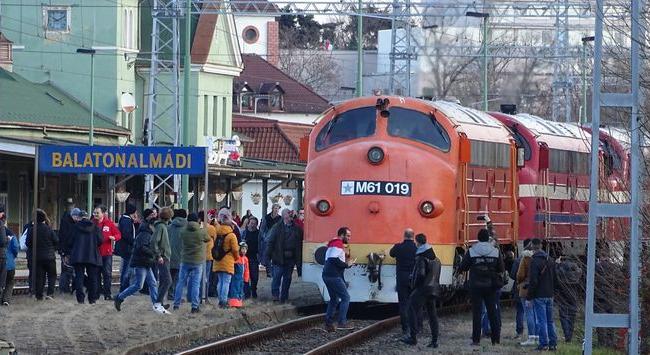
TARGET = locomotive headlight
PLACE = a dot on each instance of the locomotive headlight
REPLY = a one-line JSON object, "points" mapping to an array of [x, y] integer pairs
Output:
{"points": [[426, 207], [323, 206], [375, 155]]}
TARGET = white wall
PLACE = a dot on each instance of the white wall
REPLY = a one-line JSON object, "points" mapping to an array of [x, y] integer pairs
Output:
{"points": [[256, 186], [259, 47]]}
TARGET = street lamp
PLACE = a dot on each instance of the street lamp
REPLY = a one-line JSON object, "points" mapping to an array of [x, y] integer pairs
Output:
{"points": [[485, 17], [92, 116], [583, 111]]}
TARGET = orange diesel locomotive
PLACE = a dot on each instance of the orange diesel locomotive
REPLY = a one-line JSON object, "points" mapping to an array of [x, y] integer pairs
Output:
{"points": [[379, 165]]}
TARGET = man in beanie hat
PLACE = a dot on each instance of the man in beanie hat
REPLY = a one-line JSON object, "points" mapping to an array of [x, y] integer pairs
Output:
{"points": [[124, 246], [485, 264]]}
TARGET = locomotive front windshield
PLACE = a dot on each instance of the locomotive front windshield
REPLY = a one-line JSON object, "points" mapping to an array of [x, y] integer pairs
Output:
{"points": [[349, 125], [417, 126]]}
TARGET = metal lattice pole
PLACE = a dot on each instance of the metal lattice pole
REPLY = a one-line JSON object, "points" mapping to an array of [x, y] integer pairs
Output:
{"points": [[597, 209], [561, 85], [401, 53]]}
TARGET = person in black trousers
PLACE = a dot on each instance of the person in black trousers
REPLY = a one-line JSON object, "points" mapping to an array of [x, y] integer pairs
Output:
{"points": [[46, 246], [404, 254], [251, 235], [425, 283], [485, 265], [85, 257]]}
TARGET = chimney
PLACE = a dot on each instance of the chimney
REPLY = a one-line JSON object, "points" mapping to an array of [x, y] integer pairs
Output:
{"points": [[273, 43], [6, 57]]}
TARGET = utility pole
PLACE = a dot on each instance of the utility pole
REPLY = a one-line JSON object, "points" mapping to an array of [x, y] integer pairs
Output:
{"points": [[187, 68], [583, 111], [91, 135], [359, 50], [484, 50]]}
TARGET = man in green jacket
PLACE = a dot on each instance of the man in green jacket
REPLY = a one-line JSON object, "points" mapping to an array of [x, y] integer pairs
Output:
{"points": [[174, 230], [163, 252], [193, 240]]}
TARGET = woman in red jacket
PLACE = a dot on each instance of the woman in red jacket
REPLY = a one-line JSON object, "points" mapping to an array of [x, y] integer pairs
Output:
{"points": [[110, 234]]}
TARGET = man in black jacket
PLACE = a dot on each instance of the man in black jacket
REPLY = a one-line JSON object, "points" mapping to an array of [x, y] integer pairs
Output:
{"points": [[540, 290], [143, 260], [404, 254], [124, 246], [425, 283], [485, 266], [83, 255], [4, 242], [285, 251], [66, 231]]}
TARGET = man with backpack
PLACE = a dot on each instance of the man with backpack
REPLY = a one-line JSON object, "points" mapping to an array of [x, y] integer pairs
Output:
{"points": [[192, 250], [540, 291], [225, 252], [143, 260], [284, 249]]}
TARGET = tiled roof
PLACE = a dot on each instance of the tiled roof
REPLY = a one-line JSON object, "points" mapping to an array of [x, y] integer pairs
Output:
{"points": [[272, 140], [25, 103], [298, 98]]}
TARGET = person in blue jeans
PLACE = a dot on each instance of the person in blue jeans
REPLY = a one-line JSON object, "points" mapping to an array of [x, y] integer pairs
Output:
{"points": [[143, 261], [540, 291], [284, 249], [333, 271], [124, 246], [193, 240]]}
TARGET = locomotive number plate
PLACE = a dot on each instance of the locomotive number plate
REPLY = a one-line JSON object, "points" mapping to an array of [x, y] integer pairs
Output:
{"points": [[388, 188]]}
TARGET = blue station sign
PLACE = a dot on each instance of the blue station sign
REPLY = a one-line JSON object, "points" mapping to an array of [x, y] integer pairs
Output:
{"points": [[129, 160]]}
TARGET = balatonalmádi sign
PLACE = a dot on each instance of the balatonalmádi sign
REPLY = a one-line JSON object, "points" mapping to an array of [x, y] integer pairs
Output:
{"points": [[128, 160]]}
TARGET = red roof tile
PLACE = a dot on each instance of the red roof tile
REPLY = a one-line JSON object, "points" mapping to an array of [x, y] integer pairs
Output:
{"points": [[298, 98], [272, 140]]}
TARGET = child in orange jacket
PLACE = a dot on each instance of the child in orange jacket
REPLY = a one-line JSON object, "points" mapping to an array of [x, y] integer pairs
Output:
{"points": [[241, 277]]}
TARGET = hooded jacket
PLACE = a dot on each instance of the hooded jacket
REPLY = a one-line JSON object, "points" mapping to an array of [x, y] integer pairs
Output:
{"points": [[485, 265], [335, 264], [108, 229], [285, 245], [193, 240], [523, 272], [46, 242], [143, 254], [425, 277], [124, 246], [212, 233], [66, 231], [174, 230], [230, 246], [84, 243], [160, 242], [542, 276]]}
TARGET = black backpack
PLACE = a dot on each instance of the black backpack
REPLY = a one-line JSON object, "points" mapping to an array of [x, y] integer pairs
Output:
{"points": [[218, 251]]}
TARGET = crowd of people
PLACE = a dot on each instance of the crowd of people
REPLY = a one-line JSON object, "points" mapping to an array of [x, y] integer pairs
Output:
{"points": [[165, 253]]}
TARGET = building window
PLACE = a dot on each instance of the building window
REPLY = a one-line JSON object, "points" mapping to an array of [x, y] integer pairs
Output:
{"points": [[128, 29], [250, 34], [56, 18]]}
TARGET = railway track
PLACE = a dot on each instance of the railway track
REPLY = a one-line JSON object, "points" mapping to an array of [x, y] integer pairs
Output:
{"points": [[307, 333]]}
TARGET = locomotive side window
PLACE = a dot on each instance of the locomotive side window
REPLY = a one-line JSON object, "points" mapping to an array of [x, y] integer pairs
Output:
{"points": [[349, 125], [417, 126], [522, 143], [568, 162], [490, 154]]}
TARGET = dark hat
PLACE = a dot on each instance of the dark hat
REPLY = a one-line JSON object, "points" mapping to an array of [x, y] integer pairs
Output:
{"points": [[130, 209], [180, 213], [192, 217], [483, 235], [536, 241], [146, 213], [83, 214], [527, 243]]}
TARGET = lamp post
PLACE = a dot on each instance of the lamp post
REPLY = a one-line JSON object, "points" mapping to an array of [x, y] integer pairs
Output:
{"points": [[187, 68], [92, 116], [484, 49], [583, 111]]}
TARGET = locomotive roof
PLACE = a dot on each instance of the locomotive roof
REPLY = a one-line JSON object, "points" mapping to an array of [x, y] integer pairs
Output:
{"points": [[557, 135], [476, 124]]}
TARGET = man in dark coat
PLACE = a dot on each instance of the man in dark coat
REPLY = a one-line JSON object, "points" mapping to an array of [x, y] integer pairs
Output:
{"points": [[404, 254], [485, 266], [143, 260], [4, 243], [84, 256], [267, 224], [285, 251], [569, 277], [124, 246], [251, 235], [45, 263], [425, 283], [540, 290]]}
